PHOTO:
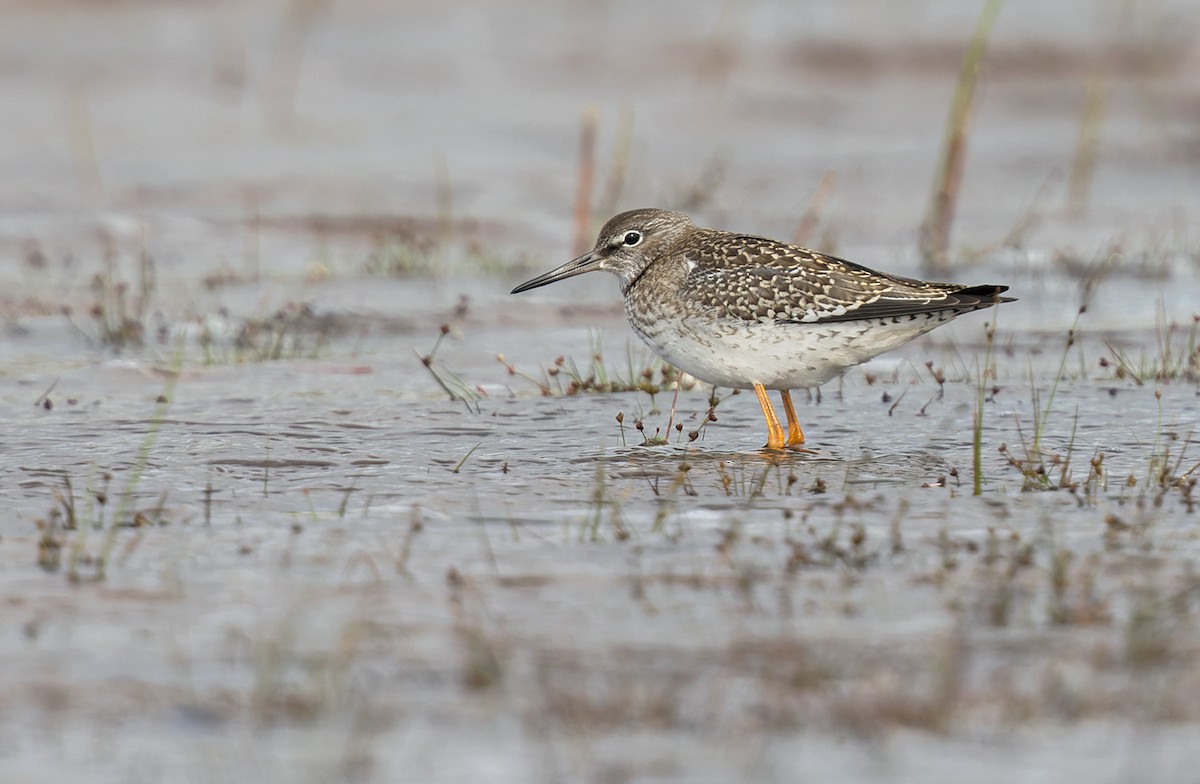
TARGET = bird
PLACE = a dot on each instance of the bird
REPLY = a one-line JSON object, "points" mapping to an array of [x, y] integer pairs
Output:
{"points": [[749, 312]]}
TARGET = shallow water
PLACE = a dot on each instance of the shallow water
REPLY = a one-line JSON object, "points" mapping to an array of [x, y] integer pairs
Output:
{"points": [[319, 567]]}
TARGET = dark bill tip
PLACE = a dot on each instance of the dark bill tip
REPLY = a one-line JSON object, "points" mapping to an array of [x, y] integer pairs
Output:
{"points": [[585, 263]]}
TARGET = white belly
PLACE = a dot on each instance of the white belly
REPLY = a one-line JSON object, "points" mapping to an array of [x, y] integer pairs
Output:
{"points": [[777, 355]]}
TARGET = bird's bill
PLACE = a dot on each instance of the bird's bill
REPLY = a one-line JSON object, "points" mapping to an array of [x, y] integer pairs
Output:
{"points": [[588, 262]]}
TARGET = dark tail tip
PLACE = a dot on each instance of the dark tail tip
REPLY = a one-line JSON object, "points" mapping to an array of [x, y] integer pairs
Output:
{"points": [[987, 294]]}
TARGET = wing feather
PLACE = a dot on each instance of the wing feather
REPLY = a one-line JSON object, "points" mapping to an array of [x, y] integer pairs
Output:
{"points": [[759, 279]]}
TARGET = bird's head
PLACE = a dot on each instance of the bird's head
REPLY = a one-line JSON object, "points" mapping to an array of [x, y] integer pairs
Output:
{"points": [[627, 244]]}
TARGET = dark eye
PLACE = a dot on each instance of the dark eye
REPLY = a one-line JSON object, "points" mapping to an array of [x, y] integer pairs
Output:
{"points": [[632, 238]]}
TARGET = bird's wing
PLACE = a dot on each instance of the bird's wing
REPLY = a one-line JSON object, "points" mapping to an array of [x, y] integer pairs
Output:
{"points": [[760, 279]]}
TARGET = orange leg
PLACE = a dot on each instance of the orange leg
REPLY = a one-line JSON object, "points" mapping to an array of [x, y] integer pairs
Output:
{"points": [[795, 434], [775, 435]]}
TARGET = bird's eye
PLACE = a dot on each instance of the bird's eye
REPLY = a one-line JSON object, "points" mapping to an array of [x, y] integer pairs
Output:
{"points": [[632, 238]]}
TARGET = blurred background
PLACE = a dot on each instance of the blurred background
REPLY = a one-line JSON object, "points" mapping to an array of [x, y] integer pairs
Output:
{"points": [[255, 258], [231, 140]]}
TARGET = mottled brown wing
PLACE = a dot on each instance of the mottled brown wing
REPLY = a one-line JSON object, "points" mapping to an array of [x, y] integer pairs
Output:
{"points": [[760, 279]]}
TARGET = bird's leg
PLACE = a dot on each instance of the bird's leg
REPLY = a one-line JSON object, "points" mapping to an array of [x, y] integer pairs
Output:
{"points": [[775, 435], [795, 434]]}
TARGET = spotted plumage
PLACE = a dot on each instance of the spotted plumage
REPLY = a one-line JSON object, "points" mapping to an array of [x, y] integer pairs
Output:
{"points": [[750, 277], [749, 312]]}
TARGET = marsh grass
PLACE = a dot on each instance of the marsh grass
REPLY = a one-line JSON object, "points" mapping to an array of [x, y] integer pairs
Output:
{"points": [[295, 331], [404, 255], [666, 498], [416, 524], [82, 140], [935, 230], [618, 167], [458, 466], [123, 516], [744, 478], [68, 523], [1167, 469], [122, 317], [294, 679], [451, 384], [1176, 356], [582, 239], [61, 519], [438, 257], [1087, 146], [120, 307], [587, 205], [809, 220], [1034, 464], [694, 194], [50, 542], [605, 507], [438, 248], [297, 23], [92, 518], [405, 258], [639, 372], [985, 375]]}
